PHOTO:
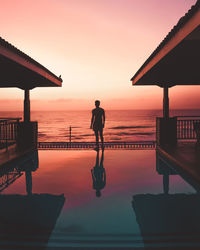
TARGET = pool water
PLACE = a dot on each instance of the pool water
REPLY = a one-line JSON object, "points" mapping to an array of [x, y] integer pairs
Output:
{"points": [[115, 198]]}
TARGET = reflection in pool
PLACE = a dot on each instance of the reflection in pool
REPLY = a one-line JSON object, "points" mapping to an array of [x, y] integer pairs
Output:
{"points": [[61, 194], [99, 174], [168, 219]]}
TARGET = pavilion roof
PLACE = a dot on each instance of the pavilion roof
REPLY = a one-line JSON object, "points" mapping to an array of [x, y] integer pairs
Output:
{"points": [[175, 61], [20, 70]]}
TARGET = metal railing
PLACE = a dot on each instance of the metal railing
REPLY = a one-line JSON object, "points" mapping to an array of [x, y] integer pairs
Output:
{"points": [[188, 127], [91, 145], [8, 178], [8, 131]]}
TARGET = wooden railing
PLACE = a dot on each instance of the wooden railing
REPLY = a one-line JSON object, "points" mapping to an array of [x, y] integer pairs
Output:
{"points": [[8, 131], [187, 127]]}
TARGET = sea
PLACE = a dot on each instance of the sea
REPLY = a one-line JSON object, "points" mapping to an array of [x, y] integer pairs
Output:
{"points": [[121, 125]]}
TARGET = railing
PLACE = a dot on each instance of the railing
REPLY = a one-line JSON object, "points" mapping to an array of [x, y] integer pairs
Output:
{"points": [[187, 127], [8, 131], [91, 145], [8, 178]]}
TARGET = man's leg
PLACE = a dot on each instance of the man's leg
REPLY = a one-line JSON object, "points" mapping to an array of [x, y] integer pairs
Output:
{"points": [[101, 135], [97, 137]]}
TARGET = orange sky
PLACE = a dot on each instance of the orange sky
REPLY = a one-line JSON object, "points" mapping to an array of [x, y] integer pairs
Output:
{"points": [[96, 45]]}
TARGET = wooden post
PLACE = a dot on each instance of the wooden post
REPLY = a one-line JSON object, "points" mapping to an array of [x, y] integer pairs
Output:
{"points": [[165, 102], [26, 106]]}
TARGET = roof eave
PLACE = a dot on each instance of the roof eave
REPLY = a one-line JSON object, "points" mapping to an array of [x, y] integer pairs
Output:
{"points": [[179, 36], [35, 67]]}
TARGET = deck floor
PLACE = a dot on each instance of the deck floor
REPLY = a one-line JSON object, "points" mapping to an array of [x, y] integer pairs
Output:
{"points": [[186, 157]]}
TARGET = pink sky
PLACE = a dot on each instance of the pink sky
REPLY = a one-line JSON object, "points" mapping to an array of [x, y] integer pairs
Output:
{"points": [[96, 45]]}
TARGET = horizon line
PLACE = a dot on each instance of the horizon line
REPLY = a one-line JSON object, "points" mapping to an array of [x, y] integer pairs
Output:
{"points": [[159, 109]]}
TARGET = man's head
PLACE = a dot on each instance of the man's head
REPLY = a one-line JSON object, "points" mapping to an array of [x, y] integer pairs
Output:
{"points": [[97, 103]]}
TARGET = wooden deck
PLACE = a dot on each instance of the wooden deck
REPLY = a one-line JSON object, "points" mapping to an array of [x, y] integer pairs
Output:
{"points": [[92, 145], [185, 157]]}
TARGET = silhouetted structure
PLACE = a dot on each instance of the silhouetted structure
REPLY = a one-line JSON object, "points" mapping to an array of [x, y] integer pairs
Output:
{"points": [[98, 122], [99, 175], [174, 62], [21, 71]]}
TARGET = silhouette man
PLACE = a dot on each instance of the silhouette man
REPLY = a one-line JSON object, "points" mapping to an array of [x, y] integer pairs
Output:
{"points": [[99, 175], [98, 122]]}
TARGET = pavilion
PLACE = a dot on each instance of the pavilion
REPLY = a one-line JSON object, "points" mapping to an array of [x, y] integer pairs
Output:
{"points": [[174, 62], [21, 71]]}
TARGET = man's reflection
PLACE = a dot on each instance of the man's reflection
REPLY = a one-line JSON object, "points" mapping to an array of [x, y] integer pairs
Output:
{"points": [[99, 175]]}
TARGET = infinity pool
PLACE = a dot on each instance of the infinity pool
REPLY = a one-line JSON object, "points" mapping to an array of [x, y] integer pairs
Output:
{"points": [[115, 198]]}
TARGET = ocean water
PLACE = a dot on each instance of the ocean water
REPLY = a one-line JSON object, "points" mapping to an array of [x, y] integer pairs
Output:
{"points": [[121, 125]]}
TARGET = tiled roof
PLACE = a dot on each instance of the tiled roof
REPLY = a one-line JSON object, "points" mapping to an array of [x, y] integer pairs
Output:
{"points": [[175, 29], [12, 48]]}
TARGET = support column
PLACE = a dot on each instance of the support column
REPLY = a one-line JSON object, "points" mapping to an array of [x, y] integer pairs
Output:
{"points": [[166, 127], [165, 103], [26, 105], [27, 131]]}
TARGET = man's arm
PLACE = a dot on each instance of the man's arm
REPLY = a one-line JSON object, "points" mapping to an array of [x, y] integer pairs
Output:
{"points": [[92, 120], [104, 118]]}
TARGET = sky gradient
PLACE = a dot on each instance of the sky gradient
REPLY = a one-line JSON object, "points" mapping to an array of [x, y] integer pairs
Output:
{"points": [[97, 46]]}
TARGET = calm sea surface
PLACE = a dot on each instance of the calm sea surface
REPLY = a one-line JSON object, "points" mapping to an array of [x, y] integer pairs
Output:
{"points": [[125, 125]]}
